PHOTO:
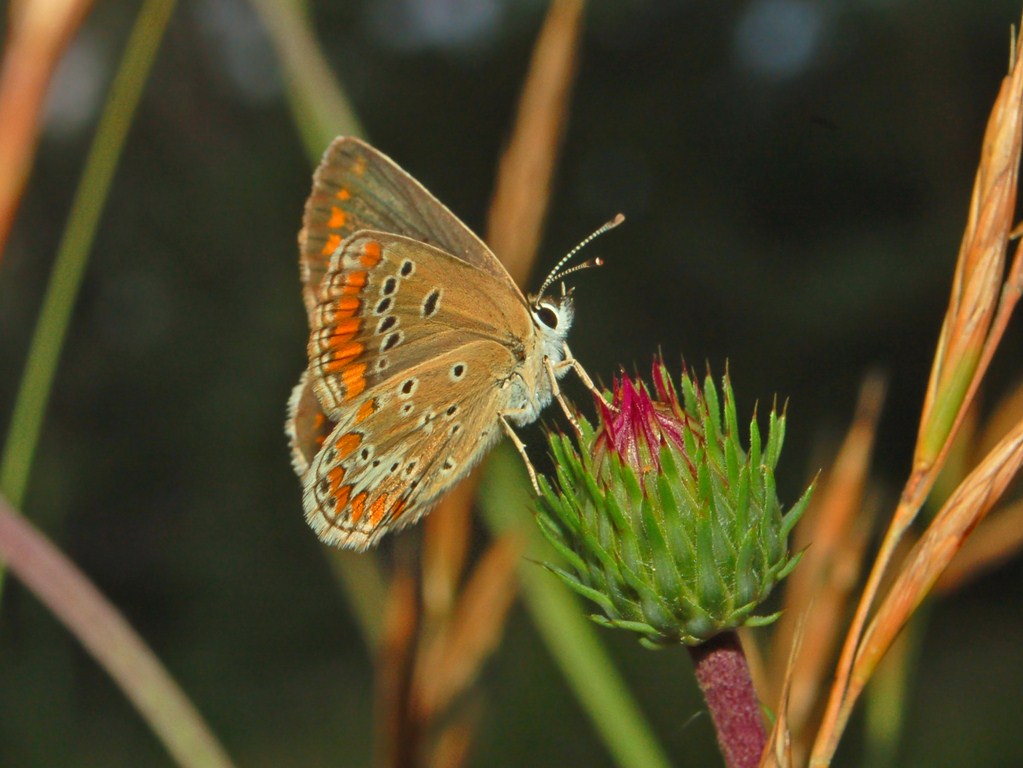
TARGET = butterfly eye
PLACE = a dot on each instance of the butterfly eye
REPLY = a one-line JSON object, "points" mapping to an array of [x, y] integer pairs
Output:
{"points": [[548, 317]]}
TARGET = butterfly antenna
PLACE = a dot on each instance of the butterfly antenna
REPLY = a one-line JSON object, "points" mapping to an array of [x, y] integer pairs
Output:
{"points": [[595, 262]]}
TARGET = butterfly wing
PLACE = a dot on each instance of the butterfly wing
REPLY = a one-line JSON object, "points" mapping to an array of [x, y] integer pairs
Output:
{"points": [[307, 425], [389, 303], [392, 455], [356, 187], [412, 355]]}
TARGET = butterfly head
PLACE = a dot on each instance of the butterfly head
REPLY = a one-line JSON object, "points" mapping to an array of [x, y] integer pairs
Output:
{"points": [[553, 316]]}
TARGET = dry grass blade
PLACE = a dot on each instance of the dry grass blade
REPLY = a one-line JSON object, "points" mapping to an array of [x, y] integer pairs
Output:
{"points": [[37, 34], [452, 747], [778, 750], [398, 733], [979, 274], [453, 658], [1000, 536], [833, 534], [939, 544], [1006, 412], [445, 548], [978, 312], [517, 210], [524, 179], [996, 540]]}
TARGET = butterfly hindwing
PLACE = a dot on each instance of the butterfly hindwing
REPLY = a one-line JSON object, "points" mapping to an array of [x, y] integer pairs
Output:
{"points": [[307, 425], [404, 442], [356, 187], [389, 303]]}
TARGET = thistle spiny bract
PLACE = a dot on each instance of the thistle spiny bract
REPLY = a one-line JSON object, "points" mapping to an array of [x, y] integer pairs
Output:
{"points": [[662, 519]]}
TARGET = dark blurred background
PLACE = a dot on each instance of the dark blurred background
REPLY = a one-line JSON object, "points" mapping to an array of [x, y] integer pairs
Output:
{"points": [[795, 176]]}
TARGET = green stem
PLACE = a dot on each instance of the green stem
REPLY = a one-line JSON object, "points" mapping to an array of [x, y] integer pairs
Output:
{"points": [[73, 252], [318, 102]]}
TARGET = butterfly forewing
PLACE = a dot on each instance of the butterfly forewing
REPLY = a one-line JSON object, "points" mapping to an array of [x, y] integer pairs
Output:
{"points": [[356, 187], [389, 303]]}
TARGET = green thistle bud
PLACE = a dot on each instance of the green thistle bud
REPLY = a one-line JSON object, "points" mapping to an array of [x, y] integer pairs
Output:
{"points": [[662, 519]]}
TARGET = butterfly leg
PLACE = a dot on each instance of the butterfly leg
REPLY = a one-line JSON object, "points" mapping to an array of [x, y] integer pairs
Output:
{"points": [[571, 361], [521, 448], [556, 391]]}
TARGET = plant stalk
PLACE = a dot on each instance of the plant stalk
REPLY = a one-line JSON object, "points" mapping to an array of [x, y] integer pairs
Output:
{"points": [[724, 677]]}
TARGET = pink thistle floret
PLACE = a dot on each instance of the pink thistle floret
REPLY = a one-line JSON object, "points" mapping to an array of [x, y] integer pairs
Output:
{"points": [[635, 426]]}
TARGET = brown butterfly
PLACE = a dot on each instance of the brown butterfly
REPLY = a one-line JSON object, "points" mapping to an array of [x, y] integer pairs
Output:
{"points": [[422, 350]]}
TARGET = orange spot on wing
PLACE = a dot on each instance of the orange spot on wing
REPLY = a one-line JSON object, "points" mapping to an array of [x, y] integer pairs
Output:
{"points": [[377, 509], [342, 499], [318, 420], [343, 331], [343, 193], [337, 218], [398, 507], [360, 166], [354, 282], [345, 353], [370, 254], [353, 378], [366, 410], [346, 306], [346, 444], [336, 476], [358, 506], [331, 245]]}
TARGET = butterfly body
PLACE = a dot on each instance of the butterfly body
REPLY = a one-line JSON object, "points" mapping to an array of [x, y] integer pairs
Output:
{"points": [[421, 349]]}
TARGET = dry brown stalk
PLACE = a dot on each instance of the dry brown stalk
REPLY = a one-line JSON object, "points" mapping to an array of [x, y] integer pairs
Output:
{"points": [[833, 535], [1000, 535], [936, 548], [778, 750], [997, 539], [522, 189], [522, 195], [398, 735], [445, 548], [452, 749], [454, 655], [38, 32], [979, 310]]}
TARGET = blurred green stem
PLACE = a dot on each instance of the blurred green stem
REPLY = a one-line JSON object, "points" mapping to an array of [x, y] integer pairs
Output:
{"points": [[318, 103], [111, 641], [888, 691], [571, 638], [73, 251]]}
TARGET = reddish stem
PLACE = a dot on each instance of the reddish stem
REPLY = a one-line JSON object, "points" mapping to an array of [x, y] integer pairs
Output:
{"points": [[724, 678]]}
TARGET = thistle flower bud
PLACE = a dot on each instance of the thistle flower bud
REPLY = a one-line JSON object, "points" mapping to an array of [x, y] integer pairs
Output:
{"points": [[663, 520]]}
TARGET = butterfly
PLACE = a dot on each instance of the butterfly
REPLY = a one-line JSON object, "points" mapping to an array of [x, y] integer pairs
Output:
{"points": [[422, 350]]}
